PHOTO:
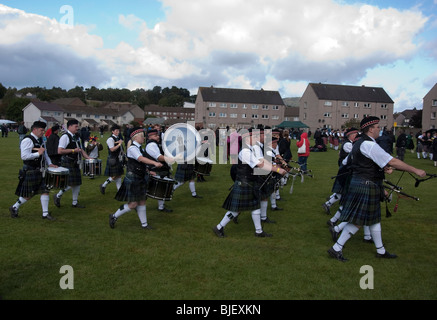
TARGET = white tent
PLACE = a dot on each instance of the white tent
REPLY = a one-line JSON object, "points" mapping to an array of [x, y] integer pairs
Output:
{"points": [[2, 121]]}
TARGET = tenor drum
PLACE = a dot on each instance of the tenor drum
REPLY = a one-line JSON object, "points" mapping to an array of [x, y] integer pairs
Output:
{"points": [[160, 188], [203, 166], [56, 178], [92, 167]]}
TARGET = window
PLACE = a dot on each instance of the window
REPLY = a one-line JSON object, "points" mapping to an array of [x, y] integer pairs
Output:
{"points": [[345, 115], [434, 103], [275, 108], [223, 115], [356, 105], [384, 106], [433, 115], [212, 105], [327, 115], [223, 105], [328, 103], [244, 106], [345, 104], [384, 117], [275, 117], [212, 114], [97, 116], [356, 116], [234, 106], [254, 116], [265, 107], [244, 116], [264, 116], [233, 115], [367, 105], [255, 107]]}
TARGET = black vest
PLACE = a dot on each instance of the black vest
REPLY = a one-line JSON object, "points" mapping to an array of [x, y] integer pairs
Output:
{"points": [[363, 166], [73, 143], [36, 163], [136, 167]]}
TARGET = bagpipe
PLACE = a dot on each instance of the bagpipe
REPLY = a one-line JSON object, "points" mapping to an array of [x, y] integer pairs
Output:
{"points": [[395, 188], [294, 172]]}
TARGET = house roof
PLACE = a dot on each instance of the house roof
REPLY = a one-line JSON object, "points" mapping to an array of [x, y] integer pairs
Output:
{"points": [[225, 95], [46, 106], [350, 93]]}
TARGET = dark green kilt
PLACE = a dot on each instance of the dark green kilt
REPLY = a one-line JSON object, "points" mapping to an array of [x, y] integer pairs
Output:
{"points": [[75, 176], [114, 167], [31, 183], [362, 202], [340, 180], [133, 188], [184, 172], [269, 185], [244, 196]]}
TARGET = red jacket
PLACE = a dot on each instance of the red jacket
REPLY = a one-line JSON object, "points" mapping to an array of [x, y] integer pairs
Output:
{"points": [[304, 139]]}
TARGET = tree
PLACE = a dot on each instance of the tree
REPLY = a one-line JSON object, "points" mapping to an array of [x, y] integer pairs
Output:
{"points": [[15, 108], [416, 119], [2, 91]]}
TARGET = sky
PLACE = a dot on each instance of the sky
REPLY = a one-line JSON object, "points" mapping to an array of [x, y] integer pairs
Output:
{"points": [[278, 45]]}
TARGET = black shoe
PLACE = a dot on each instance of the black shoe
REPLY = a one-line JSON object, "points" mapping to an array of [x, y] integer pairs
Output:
{"points": [[49, 217], [336, 254], [263, 235], [148, 227], [112, 221], [165, 210], [13, 211], [280, 199], [277, 209], [102, 189], [219, 233], [327, 208], [197, 196], [267, 220], [386, 255], [78, 205], [330, 223], [368, 240], [235, 219], [57, 200], [334, 234]]}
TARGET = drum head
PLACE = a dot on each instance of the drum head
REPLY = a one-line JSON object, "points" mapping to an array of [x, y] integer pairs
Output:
{"points": [[58, 170], [203, 160]]}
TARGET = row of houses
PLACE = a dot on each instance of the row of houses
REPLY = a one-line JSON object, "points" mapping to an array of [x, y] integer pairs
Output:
{"points": [[321, 106]]}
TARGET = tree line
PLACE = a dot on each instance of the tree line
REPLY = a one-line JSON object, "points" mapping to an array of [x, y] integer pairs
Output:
{"points": [[13, 100]]}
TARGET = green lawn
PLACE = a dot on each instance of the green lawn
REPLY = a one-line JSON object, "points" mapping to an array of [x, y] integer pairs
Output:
{"points": [[182, 259]]}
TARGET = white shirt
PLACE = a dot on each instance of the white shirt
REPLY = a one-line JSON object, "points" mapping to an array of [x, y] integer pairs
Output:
{"points": [[27, 151], [65, 140], [373, 151], [249, 156], [134, 152], [110, 142], [153, 150]]}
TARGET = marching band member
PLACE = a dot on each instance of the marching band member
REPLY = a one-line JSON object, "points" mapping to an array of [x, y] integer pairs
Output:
{"points": [[114, 165], [361, 203], [134, 186], [245, 194], [185, 172], [154, 152], [70, 148], [31, 178]]}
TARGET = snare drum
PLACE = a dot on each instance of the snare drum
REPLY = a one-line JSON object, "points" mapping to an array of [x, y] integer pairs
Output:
{"points": [[203, 166], [56, 178], [92, 167], [160, 189]]}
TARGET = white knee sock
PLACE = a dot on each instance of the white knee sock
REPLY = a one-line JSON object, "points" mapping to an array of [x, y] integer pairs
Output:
{"points": [[367, 235], [75, 191], [193, 188], [263, 210], [256, 217], [61, 192], [141, 210], [177, 185], [45, 204], [273, 200], [337, 215], [161, 204], [20, 202], [226, 219], [118, 183], [108, 181], [340, 227], [123, 209], [375, 231], [348, 231]]}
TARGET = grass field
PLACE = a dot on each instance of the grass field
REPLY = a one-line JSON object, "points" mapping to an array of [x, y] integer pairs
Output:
{"points": [[181, 259]]}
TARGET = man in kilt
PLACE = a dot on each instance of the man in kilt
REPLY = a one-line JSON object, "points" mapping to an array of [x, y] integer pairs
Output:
{"points": [[34, 156], [365, 191], [245, 194], [72, 152], [114, 164], [134, 187], [154, 152]]}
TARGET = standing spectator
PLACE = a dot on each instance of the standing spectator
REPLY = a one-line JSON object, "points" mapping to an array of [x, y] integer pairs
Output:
{"points": [[52, 146], [284, 146], [401, 143], [4, 131], [22, 130], [304, 151]]}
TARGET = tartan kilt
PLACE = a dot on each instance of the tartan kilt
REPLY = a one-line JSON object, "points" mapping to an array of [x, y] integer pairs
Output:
{"points": [[133, 188], [340, 180], [362, 202], [114, 170], [75, 175], [269, 187], [244, 196], [31, 183], [184, 172]]}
